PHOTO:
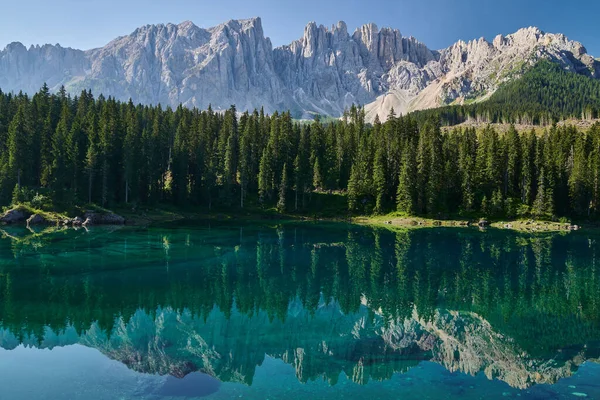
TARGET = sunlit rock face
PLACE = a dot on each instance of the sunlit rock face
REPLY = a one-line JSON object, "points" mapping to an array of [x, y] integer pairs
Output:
{"points": [[323, 72]]}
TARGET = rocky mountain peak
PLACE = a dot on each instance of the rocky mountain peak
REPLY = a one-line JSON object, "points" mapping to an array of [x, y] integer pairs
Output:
{"points": [[14, 47], [324, 71], [340, 30]]}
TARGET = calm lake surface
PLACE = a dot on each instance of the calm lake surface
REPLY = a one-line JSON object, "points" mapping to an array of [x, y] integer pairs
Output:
{"points": [[297, 311]]}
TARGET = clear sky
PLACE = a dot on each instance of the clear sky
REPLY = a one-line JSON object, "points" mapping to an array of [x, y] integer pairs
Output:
{"points": [[86, 24]]}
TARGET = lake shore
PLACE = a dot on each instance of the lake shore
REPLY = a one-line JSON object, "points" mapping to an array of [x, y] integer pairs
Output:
{"points": [[515, 225], [151, 215]]}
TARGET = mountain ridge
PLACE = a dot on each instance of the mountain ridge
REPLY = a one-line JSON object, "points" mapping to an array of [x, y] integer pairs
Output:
{"points": [[323, 72]]}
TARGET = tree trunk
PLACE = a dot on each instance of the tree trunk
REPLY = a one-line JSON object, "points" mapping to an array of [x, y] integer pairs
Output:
{"points": [[104, 182], [242, 195], [126, 191], [91, 179], [304, 197]]}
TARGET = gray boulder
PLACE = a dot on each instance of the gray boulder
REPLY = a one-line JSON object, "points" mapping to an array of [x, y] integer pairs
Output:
{"points": [[36, 219], [103, 219], [13, 217], [77, 221]]}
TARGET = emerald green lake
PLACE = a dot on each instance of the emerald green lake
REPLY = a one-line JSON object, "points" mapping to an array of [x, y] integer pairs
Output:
{"points": [[223, 310]]}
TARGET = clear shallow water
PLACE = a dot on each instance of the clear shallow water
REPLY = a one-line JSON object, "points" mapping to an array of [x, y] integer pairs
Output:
{"points": [[323, 311]]}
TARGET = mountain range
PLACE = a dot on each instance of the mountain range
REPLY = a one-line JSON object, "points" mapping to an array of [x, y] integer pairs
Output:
{"points": [[323, 72]]}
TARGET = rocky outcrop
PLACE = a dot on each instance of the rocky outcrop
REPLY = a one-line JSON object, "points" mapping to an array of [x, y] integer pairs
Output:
{"points": [[95, 218], [13, 217], [36, 219], [77, 221], [324, 72]]}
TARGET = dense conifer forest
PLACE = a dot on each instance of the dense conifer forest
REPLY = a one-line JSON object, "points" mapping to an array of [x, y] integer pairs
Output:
{"points": [[55, 149]]}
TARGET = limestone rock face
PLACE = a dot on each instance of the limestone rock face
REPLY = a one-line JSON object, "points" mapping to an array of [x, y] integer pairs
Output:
{"points": [[323, 72], [28, 69], [327, 69]]}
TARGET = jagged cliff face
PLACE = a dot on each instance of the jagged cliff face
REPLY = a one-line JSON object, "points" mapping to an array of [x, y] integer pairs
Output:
{"points": [[183, 64], [23, 69], [328, 70], [323, 72]]}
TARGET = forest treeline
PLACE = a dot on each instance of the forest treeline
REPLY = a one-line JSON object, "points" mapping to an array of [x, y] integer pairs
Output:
{"points": [[545, 94], [54, 148]]}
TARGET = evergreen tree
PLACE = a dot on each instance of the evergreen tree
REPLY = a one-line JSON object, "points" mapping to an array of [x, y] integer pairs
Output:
{"points": [[283, 187], [379, 181], [405, 196], [131, 153], [19, 142], [579, 179]]}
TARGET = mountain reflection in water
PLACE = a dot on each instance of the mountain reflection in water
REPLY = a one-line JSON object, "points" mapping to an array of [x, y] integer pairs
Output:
{"points": [[213, 300]]}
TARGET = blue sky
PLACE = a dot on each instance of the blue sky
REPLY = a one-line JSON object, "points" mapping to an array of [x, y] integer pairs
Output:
{"points": [[86, 24]]}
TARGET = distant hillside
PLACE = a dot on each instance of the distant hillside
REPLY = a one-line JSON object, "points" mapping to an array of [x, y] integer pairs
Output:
{"points": [[546, 93]]}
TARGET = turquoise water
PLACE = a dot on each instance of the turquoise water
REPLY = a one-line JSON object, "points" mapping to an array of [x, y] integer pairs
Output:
{"points": [[321, 311]]}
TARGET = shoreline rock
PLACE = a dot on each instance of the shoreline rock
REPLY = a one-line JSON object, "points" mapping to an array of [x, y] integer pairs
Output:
{"points": [[13, 217], [36, 219], [94, 218]]}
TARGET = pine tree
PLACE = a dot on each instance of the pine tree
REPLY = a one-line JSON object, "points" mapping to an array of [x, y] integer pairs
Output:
{"points": [[466, 165], [60, 159], [131, 152], [579, 177], [379, 181], [544, 203], [353, 189], [246, 156], [405, 195], [317, 176], [19, 141], [513, 166], [283, 186], [180, 163], [266, 176], [528, 173]]}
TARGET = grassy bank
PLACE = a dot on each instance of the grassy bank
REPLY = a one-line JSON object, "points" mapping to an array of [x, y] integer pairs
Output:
{"points": [[524, 225]]}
